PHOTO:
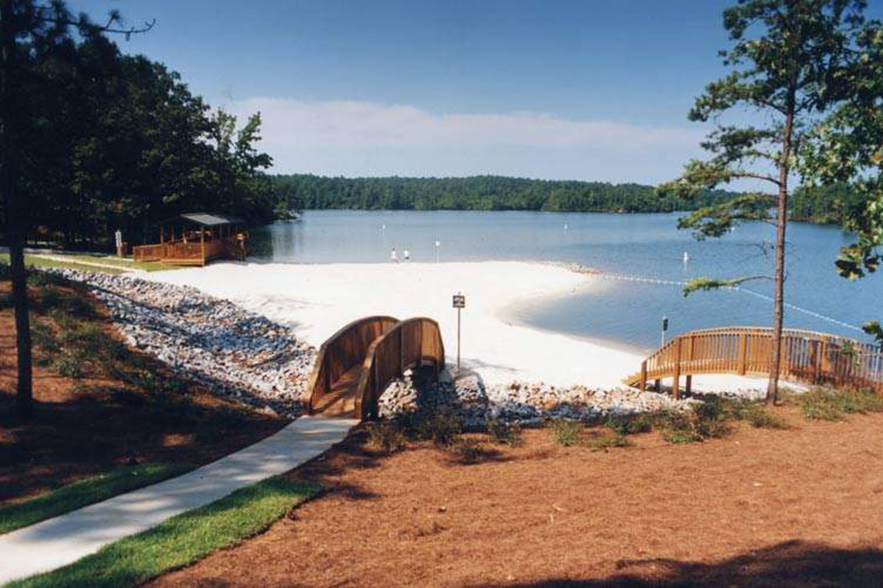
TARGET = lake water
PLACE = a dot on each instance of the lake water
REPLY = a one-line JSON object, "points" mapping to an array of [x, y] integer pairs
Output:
{"points": [[644, 246]]}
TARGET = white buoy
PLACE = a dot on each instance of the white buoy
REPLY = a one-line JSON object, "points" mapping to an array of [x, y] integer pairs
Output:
{"points": [[686, 257], [565, 226]]}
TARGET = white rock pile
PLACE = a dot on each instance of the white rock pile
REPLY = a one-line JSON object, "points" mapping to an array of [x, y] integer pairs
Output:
{"points": [[473, 403], [231, 351]]}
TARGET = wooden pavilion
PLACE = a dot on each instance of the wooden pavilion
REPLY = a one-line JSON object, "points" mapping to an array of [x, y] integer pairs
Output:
{"points": [[196, 238]]}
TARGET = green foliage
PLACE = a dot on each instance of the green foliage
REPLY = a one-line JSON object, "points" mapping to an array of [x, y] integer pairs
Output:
{"points": [[183, 539], [607, 441], [756, 414], [505, 433], [630, 424], [707, 420], [84, 493], [385, 436], [790, 61], [874, 329], [69, 364], [833, 405], [441, 428], [474, 193], [118, 141], [565, 432]]}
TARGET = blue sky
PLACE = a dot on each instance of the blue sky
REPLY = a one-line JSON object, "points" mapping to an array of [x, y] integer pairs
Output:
{"points": [[592, 89]]}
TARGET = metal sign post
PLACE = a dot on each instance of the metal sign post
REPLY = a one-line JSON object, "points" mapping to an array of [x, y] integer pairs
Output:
{"points": [[459, 304], [118, 238], [664, 328]]}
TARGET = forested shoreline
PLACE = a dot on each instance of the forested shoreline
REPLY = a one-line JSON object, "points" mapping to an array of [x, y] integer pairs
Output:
{"points": [[826, 205], [312, 192]]}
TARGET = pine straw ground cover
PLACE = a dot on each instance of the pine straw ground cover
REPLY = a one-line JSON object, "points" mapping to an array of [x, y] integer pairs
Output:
{"points": [[773, 500], [99, 407]]}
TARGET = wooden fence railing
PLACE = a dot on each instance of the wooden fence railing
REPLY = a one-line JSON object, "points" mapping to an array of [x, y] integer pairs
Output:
{"points": [[410, 343], [187, 253], [344, 351], [806, 357]]}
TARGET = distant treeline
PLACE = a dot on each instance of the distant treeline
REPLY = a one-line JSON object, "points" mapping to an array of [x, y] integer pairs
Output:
{"points": [[303, 191]]}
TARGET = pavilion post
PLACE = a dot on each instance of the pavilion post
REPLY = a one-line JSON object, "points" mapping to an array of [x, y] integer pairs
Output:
{"points": [[202, 243]]}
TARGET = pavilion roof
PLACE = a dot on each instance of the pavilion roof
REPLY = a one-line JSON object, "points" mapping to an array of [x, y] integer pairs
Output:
{"points": [[204, 219]]}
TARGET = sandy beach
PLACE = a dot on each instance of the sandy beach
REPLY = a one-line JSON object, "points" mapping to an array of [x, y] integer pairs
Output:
{"points": [[318, 299]]}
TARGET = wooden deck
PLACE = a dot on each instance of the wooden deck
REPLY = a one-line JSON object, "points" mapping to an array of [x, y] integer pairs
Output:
{"points": [[197, 254], [807, 356], [356, 364]]}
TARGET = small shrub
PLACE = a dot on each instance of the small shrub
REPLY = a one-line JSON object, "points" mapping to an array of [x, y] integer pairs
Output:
{"points": [[630, 425], [68, 364], [441, 428], [49, 299], [505, 433], [156, 384], [385, 436], [606, 441], [43, 337], [756, 415], [565, 432], [42, 279]]}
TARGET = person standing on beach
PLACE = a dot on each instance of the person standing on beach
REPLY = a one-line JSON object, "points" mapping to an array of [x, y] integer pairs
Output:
{"points": [[393, 256], [407, 255]]}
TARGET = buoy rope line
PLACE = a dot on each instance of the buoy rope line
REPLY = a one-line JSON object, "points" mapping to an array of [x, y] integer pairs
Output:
{"points": [[736, 288]]}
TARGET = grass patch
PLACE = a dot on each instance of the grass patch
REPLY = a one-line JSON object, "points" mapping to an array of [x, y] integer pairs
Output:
{"points": [[756, 415], [607, 441], [630, 425], [505, 433], [84, 493], [565, 432], [38, 262], [183, 539], [827, 404]]}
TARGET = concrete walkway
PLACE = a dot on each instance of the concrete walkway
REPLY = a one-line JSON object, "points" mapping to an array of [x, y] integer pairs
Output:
{"points": [[65, 539]]}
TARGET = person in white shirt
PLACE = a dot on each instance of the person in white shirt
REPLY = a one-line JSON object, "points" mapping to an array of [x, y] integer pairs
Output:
{"points": [[393, 257], [407, 255]]}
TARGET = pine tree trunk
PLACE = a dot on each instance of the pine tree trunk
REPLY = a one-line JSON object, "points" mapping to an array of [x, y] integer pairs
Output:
{"points": [[14, 228], [781, 223]]}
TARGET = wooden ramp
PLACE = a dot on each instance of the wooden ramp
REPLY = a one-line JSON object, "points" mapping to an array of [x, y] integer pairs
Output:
{"points": [[809, 357], [358, 362]]}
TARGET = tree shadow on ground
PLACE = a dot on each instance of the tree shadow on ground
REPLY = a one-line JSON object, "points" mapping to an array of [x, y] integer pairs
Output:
{"points": [[791, 563]]}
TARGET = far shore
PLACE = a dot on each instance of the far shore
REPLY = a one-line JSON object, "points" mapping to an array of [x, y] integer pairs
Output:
{"points": [[318, 299]]}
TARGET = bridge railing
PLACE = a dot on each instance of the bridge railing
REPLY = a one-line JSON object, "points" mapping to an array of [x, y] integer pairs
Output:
{"points": [[411, 343], [345, 350], [806, 356]]}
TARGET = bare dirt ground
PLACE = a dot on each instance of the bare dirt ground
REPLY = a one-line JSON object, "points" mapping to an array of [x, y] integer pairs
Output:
{"points": [[760, 507], [96, 423]]}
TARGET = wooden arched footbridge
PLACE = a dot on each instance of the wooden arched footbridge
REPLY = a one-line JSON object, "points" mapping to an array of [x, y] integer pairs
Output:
{"points": [[809, 357], [358, 362]]}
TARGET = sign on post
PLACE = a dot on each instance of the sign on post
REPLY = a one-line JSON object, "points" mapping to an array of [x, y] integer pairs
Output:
{"points": [[664, 328], [459, 304]]}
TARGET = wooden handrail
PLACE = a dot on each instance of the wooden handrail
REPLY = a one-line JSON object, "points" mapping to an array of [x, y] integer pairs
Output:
{"points": [[807, 356], [411, 343], [344, 350]]}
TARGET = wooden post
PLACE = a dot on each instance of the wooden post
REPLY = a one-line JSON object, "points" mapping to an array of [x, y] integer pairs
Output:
{"points": [[689, 384], [644, 376], [743, 350], [676, 381], [658, 384], [162, 235], [202, 243], [402, 352]]}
